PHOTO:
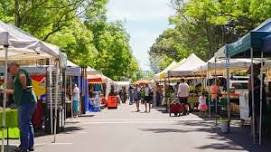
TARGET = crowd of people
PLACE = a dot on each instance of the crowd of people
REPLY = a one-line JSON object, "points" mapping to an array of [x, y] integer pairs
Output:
{"points": [[141, 94]]}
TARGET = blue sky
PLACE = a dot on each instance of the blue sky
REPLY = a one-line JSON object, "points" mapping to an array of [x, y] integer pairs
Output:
{"points": [[144, 20]]}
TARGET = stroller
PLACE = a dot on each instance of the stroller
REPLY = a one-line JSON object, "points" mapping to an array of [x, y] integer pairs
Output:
{"points": [[175, 107]]}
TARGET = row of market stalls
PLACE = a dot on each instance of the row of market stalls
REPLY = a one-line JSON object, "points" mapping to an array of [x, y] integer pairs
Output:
{"points": [[249, 56], [20, 47], [53, 77], [256, 46]]}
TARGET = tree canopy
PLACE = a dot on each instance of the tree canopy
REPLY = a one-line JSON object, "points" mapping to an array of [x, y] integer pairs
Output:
{"points": [[203, 26], [80, 28]]}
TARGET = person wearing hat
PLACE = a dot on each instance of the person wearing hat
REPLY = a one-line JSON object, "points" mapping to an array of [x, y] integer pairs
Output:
{"points": [[25, 99]]}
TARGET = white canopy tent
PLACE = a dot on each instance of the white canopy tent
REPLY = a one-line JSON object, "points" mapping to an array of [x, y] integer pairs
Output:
{"points": [[72, 69], [187, 68], [219, 65], [16, 45], [162, 74], [123, 83], [91, 71], [22, 46], [71, 64]]}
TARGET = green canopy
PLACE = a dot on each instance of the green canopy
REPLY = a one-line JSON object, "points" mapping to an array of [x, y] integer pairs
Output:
{"points": [[253, 39]]}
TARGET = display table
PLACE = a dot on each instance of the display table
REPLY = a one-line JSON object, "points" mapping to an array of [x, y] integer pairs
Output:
{"points": [[12, 131], [232, 95]]}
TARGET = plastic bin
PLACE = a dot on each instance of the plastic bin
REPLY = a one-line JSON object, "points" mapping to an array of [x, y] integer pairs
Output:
{"points": [[112, 102]]}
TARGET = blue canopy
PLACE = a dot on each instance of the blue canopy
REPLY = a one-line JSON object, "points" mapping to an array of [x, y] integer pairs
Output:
{"points": [[253, 39], [267, 44]]}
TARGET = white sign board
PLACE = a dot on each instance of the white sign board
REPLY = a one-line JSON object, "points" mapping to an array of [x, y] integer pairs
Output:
{"points": [[244, 107]]}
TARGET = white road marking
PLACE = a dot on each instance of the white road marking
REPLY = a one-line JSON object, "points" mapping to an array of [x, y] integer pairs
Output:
{"points": [[80, 132], [41, 144], [129, 122], [137, 121], [61, 143]]}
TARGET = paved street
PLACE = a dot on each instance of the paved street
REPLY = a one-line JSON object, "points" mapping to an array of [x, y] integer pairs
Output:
{"points": [[123, 130]]}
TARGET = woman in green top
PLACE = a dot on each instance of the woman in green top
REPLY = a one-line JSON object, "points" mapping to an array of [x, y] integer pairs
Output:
{"points": [[26, 100]]}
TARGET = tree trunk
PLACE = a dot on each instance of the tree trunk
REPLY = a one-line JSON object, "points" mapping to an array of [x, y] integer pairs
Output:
{"points": [[17, 13]]}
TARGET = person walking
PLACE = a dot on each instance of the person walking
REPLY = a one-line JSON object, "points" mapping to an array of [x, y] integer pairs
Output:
{"points": [[147, 98], [215, 91], [158, 91], [137, 97], [26, 100], [123, 95], [131, 97], [183, 94], [76, 100]]}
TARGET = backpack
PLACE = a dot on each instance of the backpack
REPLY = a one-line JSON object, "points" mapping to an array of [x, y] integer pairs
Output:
{"points": [[142, 93]]}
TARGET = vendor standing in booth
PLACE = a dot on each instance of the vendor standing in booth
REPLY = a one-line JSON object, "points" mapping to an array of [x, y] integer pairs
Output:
{"points": [[25, 99], [183, 94], [255, 75]]}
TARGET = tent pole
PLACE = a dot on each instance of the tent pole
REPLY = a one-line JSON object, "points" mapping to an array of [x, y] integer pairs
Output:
{"points": [[228, 92], [261, 101], [51, 98], [56, 99], [4, 98], [71, 91], [168, 103], [65, 93], [209, 108], [252, 95], [216, 99]]}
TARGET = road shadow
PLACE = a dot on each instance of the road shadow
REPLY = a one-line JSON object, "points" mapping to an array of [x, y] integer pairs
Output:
{"points": [[71, 129], [171, 130], [86, 116], [201, 123], [242, 137], [165, 130], [161, 109], [66, 130], [72, 122], [10, 148], [238, 139], [221, 146]]}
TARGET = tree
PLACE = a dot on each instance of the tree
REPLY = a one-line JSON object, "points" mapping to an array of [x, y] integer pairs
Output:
{"points": [[80, 28], [203, 26], [77, 42], [115, 55]]}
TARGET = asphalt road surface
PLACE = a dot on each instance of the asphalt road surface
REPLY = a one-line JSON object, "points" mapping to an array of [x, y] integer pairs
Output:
{"points": [[124, 130]]}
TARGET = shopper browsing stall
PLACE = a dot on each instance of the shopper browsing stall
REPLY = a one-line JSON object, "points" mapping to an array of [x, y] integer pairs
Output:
{"points": [[25, 100], [215, 92], [76, 100]]}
